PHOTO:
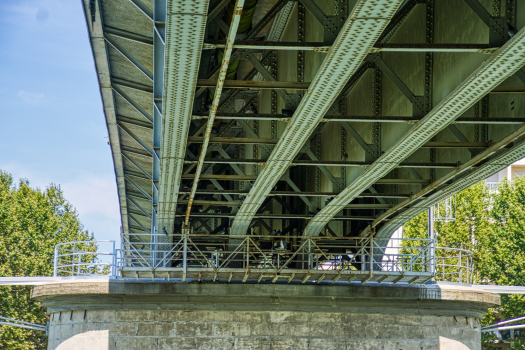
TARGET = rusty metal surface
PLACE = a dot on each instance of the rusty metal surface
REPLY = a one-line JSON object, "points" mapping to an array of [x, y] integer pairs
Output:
{"points": [[216, 100]]}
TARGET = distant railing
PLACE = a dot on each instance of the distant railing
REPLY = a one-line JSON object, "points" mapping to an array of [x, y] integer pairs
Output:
{"points": [[83, 258], [271, 255], [454, 265]]}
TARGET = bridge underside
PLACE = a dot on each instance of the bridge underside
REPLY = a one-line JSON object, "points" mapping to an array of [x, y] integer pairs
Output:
{"points": [[304, 118]]}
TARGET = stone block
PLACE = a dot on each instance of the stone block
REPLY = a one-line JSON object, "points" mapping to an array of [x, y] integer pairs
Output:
{"points": [[433, 320], [252, 316], [88, 327], [178, 343], [253, 343], [286, 316], [402, 344], [363, 318], [194, 329], [455, 333], [350, 330], [365, 344], [471, 335], [328, 344], [135, 343], [270, 329], [64, 331], [326, 317], [101, 315], [136, 315], [176, 315], [300, 329], [430, 345], [214, 316], [231, 329], [120, 328], [215, 343], [408, 320], [146, 329], [79, 316], [420, 332], [290, 344]]}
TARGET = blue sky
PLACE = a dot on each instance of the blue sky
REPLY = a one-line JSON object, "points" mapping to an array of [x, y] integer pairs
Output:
{"points": [[52, 123]]}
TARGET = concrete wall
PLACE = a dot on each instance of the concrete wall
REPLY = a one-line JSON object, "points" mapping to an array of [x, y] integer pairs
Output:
{"points": [[189, 329], [128, 315]]}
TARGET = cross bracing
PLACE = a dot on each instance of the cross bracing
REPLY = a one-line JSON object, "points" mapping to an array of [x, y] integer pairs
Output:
{"points": [[339, 117]]}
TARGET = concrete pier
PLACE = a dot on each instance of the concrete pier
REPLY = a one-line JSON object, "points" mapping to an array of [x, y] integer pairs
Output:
{"points": [[124, 315]]}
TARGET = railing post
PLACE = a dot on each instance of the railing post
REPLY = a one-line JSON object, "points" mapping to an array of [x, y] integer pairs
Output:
{"points": [[114, 262], [185, 255], [248, 252], [460, 270], [371, 263], [78, 260], [55, 262], [431, 238], [310, 261]]}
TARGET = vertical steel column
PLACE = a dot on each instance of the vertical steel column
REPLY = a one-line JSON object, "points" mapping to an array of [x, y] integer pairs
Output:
{"points": [[159, 42], [431, 237], [273, 123], [185, 254], [429, 66]]}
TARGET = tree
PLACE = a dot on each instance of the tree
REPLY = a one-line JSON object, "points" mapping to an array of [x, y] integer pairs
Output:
{"points": [[492, 225], [32, 222]]}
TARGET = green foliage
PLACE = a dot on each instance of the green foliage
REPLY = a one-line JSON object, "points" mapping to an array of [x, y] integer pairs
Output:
{"points": [[492, 225], [32, 222]]}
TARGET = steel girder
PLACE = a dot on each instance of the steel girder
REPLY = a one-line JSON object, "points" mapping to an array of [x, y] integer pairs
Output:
{"points": [[185, 26], [357, 37], [502, 64], [491, 167]]}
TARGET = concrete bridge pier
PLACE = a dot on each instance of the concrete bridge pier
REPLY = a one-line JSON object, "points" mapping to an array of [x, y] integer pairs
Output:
{"points": [[124, 315]]}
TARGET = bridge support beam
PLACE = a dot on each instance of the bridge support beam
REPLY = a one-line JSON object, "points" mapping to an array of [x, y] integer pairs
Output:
{"points": [[131, 315]]}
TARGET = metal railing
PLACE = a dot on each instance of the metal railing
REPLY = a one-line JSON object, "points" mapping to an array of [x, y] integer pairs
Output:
{"points": [[82, 258], [276, 253], [270, 255], [454, 265]]}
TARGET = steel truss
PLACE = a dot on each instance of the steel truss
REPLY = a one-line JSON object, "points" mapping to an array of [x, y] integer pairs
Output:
{"points": [[174, 154]]}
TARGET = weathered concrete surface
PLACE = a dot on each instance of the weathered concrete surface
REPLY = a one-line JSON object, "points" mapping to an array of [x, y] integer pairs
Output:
{"points": [[131, 315]]}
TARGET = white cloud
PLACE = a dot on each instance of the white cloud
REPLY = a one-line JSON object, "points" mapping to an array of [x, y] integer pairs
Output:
{"points": [[30, 97]]}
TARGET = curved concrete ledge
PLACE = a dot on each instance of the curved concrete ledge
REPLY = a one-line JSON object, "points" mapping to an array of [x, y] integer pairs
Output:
{"points": [[414, 299], [127, 315]]}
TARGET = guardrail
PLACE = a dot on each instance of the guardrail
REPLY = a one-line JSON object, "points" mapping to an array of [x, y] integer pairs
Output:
{"points": [[271, 257], [82, 258]]}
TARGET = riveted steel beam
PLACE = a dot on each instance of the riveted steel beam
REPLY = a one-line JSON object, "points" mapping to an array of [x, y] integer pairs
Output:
{"points": [[298, 194], [498, 162], [301, 162], [184, 33], [502, 64], [380, 47], [276, 216], [252, 84], [356, 38], [236, 17], [363, 119]]}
